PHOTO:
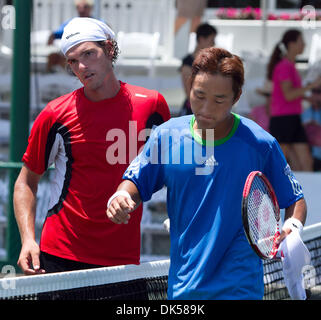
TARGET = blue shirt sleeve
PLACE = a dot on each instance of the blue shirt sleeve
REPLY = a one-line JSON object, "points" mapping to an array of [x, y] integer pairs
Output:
{"points": [[287, 188], [146, 171], [59, 32]]}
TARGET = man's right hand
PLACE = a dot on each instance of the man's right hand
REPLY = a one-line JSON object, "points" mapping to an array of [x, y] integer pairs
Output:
{"points": [[29, 260], [119, 209]]}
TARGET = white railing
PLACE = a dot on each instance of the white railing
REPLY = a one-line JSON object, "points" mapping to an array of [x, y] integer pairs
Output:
{"points": [[50, 14], [254, 36], [146, 16]]}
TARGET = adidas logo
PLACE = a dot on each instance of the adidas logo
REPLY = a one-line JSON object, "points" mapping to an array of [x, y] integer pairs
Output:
{"points": [[211, 162]]}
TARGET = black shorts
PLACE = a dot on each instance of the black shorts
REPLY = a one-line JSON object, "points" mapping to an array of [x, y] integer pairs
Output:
{"points": [[288, 129], [316, 164], [52, 263]]}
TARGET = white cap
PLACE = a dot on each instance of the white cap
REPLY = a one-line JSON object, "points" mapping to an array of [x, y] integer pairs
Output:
{"points": [[80, 30]]}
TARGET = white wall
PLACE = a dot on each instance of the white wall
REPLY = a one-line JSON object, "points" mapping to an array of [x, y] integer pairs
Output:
{"points": [[311, 184], [249, 34]]}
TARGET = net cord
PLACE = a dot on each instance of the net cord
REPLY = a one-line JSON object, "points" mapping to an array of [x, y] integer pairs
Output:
{"points": [[27, 285]]}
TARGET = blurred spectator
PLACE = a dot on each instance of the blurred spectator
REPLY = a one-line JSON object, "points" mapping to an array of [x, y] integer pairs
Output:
{"points": [[205, 38], [286, 101], [84, 9], [261, 113], [189, 10], [311, 118]]}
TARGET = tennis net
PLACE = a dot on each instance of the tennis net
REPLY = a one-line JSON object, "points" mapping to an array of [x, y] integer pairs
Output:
{"points": [[147, 281]]}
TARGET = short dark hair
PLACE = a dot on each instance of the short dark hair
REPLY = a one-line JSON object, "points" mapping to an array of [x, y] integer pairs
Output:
{"points": [[220, 61], [204, 30]]}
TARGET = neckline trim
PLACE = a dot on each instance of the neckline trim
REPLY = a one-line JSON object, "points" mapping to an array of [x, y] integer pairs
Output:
{"points": [[214, 143]]}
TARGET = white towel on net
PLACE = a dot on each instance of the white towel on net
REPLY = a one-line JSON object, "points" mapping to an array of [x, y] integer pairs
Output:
{"points": [[294, 256]]}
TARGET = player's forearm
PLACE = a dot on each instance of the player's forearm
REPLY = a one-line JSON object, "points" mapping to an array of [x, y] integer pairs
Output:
{"points": [[124, 201], [294, 94], [297, 210], [25, 210]]}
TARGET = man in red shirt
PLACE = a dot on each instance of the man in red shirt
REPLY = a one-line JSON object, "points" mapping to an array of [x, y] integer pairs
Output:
{"points": [[89, 135]]}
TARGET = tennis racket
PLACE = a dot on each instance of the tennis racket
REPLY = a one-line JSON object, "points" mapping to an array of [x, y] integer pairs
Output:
{"points": [[261, 215]]}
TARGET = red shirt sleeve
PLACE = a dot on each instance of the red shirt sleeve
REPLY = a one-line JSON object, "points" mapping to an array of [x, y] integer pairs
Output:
{"points": [[36, 155], [162, 108]]}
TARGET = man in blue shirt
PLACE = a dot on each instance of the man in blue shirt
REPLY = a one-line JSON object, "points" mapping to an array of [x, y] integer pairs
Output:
{"points": [[204, 159]]}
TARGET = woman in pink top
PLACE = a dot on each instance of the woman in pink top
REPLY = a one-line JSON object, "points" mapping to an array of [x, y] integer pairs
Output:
{"points": [[286, 101]]}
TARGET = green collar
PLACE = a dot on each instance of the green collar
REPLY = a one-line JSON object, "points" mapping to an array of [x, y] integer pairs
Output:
{"points": [[215, 143]]}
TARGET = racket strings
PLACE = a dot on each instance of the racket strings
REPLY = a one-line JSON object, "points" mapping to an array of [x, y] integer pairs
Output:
{"points": [[261, 214]]}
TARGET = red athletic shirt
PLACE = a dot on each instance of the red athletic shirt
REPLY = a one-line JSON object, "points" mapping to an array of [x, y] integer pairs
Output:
{"points": [[89, 143]]}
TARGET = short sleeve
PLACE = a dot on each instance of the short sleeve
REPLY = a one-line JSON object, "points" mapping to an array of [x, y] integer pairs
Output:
{"points": [[188, 61], [162, 108], [283, 72], [288, 190], [59, 32], [36, 156], [146, 171], [161, 113]]}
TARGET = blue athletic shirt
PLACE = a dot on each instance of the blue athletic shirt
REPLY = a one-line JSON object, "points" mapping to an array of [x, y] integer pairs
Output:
{"points": [[210, 255]]}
